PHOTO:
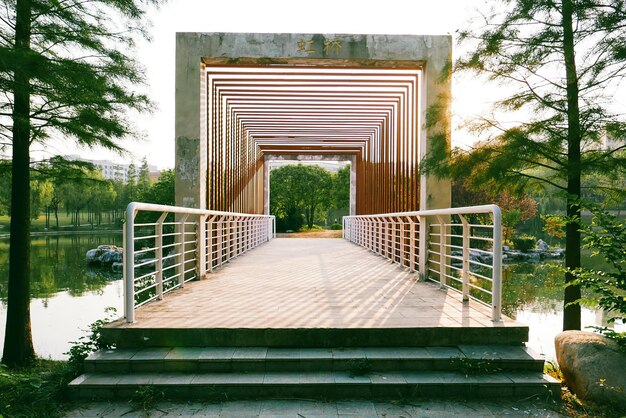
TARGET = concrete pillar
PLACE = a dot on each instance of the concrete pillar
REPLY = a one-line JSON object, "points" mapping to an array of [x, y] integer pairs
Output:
{"points": [[353, 185]]}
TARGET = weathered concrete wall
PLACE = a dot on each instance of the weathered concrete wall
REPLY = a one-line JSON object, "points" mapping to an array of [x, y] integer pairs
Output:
{"points": [[433, 53]]}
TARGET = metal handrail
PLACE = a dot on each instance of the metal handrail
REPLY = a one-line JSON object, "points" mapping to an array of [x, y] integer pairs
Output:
{"points": [[421, 241], [203, 241]]}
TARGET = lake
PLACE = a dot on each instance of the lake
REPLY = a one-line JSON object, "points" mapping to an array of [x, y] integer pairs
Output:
{"points": [[67, 295]]}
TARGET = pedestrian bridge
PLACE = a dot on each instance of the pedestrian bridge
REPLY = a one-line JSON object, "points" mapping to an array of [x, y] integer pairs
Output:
{"points": [[407, 304], [217, 308]]}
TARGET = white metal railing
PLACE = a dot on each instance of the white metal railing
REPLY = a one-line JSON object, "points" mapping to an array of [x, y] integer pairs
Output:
{"points": [[167, 246], [459, 248]]}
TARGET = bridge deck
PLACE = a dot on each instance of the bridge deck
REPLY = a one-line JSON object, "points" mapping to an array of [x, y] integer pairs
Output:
{"points": [[312, 283]]}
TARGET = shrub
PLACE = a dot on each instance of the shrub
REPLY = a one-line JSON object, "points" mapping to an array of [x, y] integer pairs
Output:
{"points": [[336, 227], [524, 243], [606, 237]]}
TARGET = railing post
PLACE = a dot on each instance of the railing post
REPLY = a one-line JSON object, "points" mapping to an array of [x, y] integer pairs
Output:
{"points": [[238, 235], [158, 253], [180, 249], [379, 236], [466, 257], [210, 245], [273, 227], [442, 250], [423, 245], [220, 242], [201, 239], [129, 263], [411, 243], [496, 288]]}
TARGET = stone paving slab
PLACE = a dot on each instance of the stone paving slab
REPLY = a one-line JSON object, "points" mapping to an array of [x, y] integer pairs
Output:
{"points": [[302, 408], [312, 283]]}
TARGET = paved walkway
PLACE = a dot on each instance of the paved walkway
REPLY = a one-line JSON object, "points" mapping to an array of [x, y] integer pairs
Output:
{"points": [[312, 283], [312, 409]]}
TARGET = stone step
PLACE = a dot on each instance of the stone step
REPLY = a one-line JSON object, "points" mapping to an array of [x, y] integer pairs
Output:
{"points": [[316, 385], [470, 358], [121, 335]]}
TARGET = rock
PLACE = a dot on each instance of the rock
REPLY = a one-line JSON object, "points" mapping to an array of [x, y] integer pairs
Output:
{"points": [[558, 253], [93, 256], [110, 257], [542, 246], [593, 366]]}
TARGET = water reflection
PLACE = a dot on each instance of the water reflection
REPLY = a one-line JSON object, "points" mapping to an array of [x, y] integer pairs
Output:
{"points": [[67, 295], [532, 293]]}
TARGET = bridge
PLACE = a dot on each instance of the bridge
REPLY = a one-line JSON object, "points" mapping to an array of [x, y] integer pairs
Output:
{"points": [[406, 304]]}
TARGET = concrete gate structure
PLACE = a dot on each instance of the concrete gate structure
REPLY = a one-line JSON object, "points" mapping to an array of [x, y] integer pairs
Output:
{"points": [[379, 100]]}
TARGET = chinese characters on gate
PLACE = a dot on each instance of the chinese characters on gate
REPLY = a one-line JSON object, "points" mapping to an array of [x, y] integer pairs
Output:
{"points": [[331, 46]]}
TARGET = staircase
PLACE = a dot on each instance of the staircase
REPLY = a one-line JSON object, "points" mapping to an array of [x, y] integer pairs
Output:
{"points": [[381, 368]]}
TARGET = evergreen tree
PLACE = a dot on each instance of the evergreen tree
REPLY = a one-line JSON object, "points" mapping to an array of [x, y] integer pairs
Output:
{"points": [[143, 179], [565, 59], [66, 70]]}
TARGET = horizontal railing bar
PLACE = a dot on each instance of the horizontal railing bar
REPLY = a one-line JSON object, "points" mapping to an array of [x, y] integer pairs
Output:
{"points": [[400, 236]]}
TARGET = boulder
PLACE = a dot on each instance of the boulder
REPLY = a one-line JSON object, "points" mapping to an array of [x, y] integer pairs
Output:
{"points": [[593, 366], [110, 257], [93, 256], [542, 246]]}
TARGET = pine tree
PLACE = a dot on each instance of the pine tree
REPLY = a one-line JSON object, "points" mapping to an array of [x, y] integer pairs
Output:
{"points": [[66, 68], [565, 59]]}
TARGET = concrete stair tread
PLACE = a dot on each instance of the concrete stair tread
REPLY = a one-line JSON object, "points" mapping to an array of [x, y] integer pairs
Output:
{"points": [[498, 333], [476, 352], [312, 378]]}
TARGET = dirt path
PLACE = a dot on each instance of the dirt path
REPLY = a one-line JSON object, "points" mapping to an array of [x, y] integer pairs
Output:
{"points": [[323, 233]]}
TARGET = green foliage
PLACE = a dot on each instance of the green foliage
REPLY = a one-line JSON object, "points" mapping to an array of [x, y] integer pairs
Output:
{"points": [[35, 391], [336, 227], [472, 366], [79, 67], [510, 219], [146, 399], [554, 225], [524, 243], [143, 179], [91, 342], [606, 237], [560, 63], [359, 366], [38, 390], [300, 189], [341, 189], [162, 191]]}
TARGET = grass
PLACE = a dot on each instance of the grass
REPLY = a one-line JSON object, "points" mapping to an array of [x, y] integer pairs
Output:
{"points": [[65, 223], [36, 391], [572, 406]]}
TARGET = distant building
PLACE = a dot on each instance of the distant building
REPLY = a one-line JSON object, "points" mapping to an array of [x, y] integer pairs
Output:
{"points": [[115, 171]]}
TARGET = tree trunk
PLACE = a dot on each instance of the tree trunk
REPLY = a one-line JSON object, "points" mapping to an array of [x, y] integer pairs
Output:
{"points": [[18, 343], [571, 311]]}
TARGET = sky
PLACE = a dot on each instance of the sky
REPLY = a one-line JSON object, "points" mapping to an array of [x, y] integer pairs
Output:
{"points": [[410, 17]]}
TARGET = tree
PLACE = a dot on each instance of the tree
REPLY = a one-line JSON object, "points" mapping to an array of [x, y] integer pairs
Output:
{"points": [[297, 189], [143, 179], [130, 190], [341, 189], [66, 71], [562, 61], [161, 192]]}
